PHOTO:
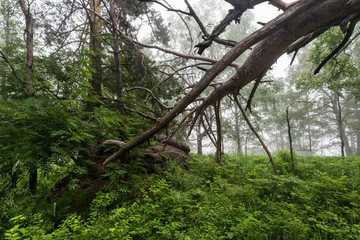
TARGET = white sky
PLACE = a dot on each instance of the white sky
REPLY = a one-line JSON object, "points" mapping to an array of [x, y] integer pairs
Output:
{"points": [[263, 13]]}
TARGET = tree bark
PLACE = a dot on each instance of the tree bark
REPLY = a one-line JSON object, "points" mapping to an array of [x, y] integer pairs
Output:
{"points": [[29, 77], [116, 48], [95, 56], [199, 138], [337, 110], [273, 39], [218, 154], [305, 17], [290, 140], [29, 34]]}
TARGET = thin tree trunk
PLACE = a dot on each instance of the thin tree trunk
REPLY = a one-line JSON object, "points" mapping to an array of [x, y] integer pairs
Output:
{"points": [[339, 122], [119, 82], [290, 140], [308, 122], [246, 144], [257, 135], [237, 131], [7, 24], [95, 56], [340, 126], [33, 177], [29, 77], [219, 144], [347, 147], [29, 48], [199, 138], [309, 131]]}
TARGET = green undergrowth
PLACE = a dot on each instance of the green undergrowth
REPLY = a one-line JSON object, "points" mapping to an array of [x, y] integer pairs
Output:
{"points": [[240, 199]]}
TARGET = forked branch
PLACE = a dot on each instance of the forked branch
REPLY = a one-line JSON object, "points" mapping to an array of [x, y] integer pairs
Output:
{"points": [[272, 41]]}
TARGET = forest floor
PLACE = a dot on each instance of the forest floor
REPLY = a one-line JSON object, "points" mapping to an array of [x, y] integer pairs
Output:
{"points": [[240, 199]]}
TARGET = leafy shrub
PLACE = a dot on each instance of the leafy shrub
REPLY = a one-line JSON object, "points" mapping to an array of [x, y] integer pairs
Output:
{"points": [[240, 199]]}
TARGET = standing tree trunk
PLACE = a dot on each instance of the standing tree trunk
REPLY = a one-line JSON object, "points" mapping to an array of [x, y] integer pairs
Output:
{"points": [[199, 137], [33, 175], [219, 144], [308, 122], [29, 34], [95, 47], [337, 109], [290, 139], [237, 131], [116, 48], [7, 27]]}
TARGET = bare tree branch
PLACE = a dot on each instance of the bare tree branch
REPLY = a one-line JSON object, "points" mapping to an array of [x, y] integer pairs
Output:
{"points": [[342, 44], [256, 134], [272, 41], [151, 93]]}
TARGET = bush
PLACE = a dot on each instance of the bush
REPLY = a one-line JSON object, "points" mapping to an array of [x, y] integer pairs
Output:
{"points": [[240, 199]]}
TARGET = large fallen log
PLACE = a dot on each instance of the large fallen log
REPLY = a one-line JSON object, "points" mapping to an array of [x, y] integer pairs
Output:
{"points": [[299, 20]]}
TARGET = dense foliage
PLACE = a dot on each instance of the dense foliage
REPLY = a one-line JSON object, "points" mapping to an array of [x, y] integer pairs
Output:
{"points": [[81, 78], [240, 199]]}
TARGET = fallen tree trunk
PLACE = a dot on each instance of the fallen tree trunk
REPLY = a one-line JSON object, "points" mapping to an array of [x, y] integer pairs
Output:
{"points": [[272, 40]]}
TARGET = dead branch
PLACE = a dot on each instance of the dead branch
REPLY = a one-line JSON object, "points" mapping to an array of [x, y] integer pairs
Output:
{"points": [[151, 93], [256, 134], [303, 41], [281, 5], [10, 65], [114, 142], [173, 142], [270, 49], [342, 44], [233, 15], [252, 94], [203, 29], [208, 130], [273, 39], [140, 113]]}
